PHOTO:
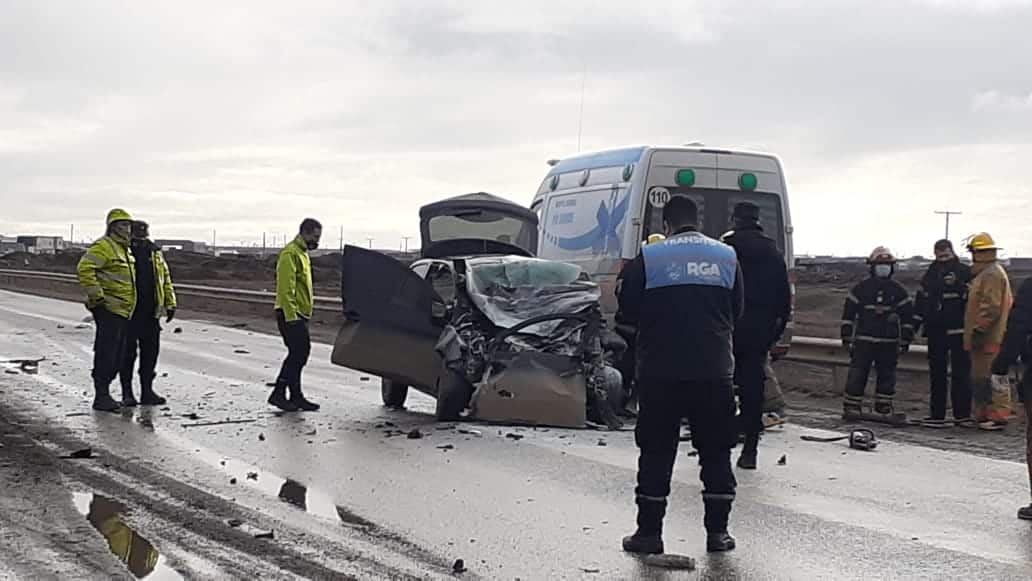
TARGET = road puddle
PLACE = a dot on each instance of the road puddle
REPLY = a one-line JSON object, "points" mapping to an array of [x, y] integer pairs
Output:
{"points": [[138, 554], [298, 495]]}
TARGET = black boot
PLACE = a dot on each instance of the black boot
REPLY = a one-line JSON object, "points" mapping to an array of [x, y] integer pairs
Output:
{"points": [[648, 539], [128, 399], [747, 461], [147, 395], [717, 513], [102, 400], [297, 398], [278, 398]]}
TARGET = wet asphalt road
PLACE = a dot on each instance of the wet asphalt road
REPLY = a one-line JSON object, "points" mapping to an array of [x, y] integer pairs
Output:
{"points": [[551, 505]]}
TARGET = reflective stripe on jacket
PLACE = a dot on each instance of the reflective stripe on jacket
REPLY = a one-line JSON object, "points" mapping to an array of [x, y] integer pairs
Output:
{"points": [[107, 274], [294, 281], [166, 293]]}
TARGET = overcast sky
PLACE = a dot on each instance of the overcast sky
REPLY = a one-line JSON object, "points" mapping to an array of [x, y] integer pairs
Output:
{"points": [[245, 117]]}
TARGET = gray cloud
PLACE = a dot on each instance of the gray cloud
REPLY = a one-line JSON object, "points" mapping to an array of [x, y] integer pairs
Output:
{"points": [[247, 116]]}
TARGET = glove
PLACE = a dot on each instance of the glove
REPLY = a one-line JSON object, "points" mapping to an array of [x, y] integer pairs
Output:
{"points": [[904, 348], [1000, 383], [171, 314], [848, 344]]}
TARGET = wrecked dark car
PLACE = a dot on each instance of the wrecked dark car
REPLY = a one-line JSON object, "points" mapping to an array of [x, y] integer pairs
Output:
{"points": [[480, 324]]}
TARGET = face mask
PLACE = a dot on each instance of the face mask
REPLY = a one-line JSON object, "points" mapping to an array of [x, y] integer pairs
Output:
{"points": [[882, 270], [311, 245]]}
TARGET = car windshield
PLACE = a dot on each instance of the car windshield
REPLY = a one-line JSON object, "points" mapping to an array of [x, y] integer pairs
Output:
{"points": [[483, 225], [516, 273]]}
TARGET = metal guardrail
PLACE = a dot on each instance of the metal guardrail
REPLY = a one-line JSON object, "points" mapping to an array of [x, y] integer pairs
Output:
{"points": [[811, 350], [196, 290]]}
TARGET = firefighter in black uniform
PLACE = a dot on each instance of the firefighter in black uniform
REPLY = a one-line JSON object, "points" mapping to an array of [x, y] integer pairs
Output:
{"points": [[685, 293], [940, 309], [1017, 343], [876, 327], [768, 305]]}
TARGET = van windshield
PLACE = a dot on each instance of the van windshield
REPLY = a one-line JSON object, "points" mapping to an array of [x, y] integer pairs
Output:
{"points": [[715, 207]]}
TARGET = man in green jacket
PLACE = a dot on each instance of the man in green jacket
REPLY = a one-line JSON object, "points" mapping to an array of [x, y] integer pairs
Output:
{"points": [[155, 299], [107, 273], [294, 306]]}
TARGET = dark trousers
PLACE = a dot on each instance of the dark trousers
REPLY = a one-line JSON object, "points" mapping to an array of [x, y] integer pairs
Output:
{"points": [[884, 357], [946, 353], [299, 347], [710, 409], [144, 335], [750, 377], [108, 347]]}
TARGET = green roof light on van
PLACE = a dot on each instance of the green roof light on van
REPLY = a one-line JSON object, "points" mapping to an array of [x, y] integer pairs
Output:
{"points": [[747, 181], [686, 177]]}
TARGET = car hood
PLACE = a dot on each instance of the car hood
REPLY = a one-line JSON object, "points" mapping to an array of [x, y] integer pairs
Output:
{"points": [[511, 289]]}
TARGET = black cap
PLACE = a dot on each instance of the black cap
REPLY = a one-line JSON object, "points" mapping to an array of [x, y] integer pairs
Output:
{"points": [[140, 229], [746, 211], [943, 245]]}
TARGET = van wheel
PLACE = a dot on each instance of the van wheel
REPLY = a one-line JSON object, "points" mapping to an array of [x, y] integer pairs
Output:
{"points": [[453, 395], [393, 393]]}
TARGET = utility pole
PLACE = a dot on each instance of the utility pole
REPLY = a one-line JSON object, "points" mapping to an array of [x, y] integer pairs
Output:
{"points": [[213, 238], [406, 239], [342, 240], [263, 244], [580, 115], [71, 235], [370, 243], [947, 213]]}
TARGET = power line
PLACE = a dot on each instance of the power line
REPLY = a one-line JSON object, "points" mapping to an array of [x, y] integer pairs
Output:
{"points": [[947, 213]]}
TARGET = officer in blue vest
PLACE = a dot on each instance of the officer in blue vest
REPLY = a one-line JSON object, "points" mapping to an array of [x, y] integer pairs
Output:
{"points": [[686, 293]]}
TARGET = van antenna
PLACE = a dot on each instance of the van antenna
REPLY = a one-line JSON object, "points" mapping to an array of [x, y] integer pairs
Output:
{"points": [[580, 117]]}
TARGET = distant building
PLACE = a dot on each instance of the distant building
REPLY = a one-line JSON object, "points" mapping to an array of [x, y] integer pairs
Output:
{"points": [[10, 245], [184, 245], [42, 244]]}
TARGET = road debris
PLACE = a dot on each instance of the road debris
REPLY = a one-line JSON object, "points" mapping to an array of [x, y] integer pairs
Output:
{"points": [[459, 566], [76, 414], [513, 436], [859, 439], [82, 326], [670, 561], [232, 480], [241, 352], [591, 570], [252, 476], [446, 447], [415, 434], [784, 460], [10, 372], [219, 423], [471, 432], [192, 416], [602, 443], [235, 522], [261, 437], [311, 432], [177, 330], [80, 454]]}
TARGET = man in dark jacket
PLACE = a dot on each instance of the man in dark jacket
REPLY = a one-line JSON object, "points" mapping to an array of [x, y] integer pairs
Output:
{"points": [[685, 293], [1017, 343], [155, 299], [876, 327], [940, 309], [768, 306]]}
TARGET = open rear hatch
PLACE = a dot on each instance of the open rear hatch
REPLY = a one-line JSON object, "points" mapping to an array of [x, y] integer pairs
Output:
{"points": [[477, 224]]}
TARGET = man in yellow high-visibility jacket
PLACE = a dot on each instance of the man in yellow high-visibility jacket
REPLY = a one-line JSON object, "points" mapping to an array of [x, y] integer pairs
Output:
{"points": [[107, 273], [294, 306]]}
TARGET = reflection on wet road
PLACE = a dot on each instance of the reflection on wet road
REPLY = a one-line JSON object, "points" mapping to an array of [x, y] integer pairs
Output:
{"points": [[138, 554]]}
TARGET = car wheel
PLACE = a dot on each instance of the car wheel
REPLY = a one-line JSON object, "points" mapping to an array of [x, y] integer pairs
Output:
{"points": [[393, 393], [453, 395]]}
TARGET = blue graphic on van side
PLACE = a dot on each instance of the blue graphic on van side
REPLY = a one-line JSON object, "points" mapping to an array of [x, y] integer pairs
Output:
{"points": [[604, 238]]}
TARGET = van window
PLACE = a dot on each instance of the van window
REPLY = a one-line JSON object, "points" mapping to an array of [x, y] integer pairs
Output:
{"points": [[586, 227], [715, 208]]}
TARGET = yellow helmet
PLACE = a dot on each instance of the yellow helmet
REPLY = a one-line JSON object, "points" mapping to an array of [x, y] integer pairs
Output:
{"points": [[982, 241], [118, 215], [881, 255], [653, 238]]}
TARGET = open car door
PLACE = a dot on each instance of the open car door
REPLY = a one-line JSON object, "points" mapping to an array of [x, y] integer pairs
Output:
{"points": [[389, 327]]}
